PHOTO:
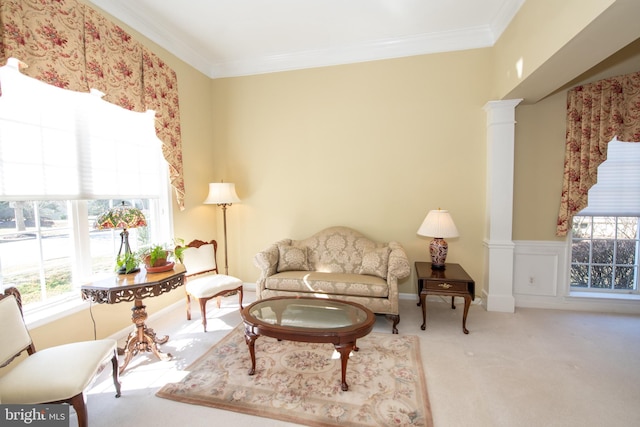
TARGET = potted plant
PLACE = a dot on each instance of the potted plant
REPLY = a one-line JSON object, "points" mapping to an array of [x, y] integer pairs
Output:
{"points": [[127, 263], [155, 256]]}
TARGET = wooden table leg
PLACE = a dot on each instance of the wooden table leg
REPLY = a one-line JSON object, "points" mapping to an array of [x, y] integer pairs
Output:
{"points": [[467, 303], [345, 351], [423, 303], [142, 338], [250, 338]]}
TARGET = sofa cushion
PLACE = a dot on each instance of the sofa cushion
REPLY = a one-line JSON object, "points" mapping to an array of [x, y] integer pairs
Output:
{"points": [[292, 258], [375, 261], [328, 283]]}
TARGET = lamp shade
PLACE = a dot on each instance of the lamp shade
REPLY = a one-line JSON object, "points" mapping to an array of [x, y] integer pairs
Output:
{"points": [[438, 223], [221, 193], [121, 216]]}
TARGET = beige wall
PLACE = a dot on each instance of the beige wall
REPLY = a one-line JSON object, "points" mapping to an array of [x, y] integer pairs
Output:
{"points": [[373, 146]]}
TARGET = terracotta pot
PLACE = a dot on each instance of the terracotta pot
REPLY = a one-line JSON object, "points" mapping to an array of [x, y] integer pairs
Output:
{"points": [[159, 262]]}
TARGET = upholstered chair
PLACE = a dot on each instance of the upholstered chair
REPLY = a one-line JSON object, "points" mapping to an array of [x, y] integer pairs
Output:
{"points": [[203, 282], [58, 374]]}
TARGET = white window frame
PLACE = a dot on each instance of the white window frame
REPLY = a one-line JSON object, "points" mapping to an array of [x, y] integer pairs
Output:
{"points": [[590, 264]]}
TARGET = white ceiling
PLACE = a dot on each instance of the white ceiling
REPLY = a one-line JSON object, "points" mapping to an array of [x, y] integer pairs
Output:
{"points": [[224, 38]]}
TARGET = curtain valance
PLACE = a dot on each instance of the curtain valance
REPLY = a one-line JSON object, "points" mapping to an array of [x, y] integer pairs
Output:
{"points": [[596, 113], [70, 45]]}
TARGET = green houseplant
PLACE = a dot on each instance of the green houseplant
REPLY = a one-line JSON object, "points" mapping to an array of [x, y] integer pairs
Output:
{"points": [[127, 263], [155, 255]]}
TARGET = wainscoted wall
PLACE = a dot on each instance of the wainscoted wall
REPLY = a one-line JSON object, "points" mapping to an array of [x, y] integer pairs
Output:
{"points": [[541, 280]]}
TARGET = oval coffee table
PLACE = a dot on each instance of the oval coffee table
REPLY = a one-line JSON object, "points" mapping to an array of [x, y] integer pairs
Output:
{"points": [[313, 320]]}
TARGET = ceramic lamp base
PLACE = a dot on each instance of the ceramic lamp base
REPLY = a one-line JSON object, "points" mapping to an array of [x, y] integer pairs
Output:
{"points": [[438, 249]]}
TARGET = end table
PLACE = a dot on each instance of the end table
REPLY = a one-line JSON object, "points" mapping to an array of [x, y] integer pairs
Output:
{"points": [[136, 287], [451, 281]]}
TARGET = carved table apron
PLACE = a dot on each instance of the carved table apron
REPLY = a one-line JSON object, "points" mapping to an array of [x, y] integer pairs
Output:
{"points": [[136, 287]]}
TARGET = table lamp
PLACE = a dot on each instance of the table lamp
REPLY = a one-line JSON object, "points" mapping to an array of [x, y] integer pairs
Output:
{"points": [[222, 194], [439, 225], [122, 216]]}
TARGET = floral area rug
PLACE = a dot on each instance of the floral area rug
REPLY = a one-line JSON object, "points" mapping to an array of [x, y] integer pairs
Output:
{"points": [[300, 382]]}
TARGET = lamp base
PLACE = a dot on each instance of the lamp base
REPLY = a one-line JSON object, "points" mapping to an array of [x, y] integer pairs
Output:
{"points": [[438, 248]]}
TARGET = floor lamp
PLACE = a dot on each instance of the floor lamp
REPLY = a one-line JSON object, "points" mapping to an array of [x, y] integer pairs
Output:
{"points": [[222, 194]]}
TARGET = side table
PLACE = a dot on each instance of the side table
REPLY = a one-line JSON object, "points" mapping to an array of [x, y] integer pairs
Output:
{"points": [[136, 287], [451, 281]]}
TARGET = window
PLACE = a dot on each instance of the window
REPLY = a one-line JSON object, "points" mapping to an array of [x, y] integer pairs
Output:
{"points": [[65, 158], [605, 236], [604, 253], [49, 248]]}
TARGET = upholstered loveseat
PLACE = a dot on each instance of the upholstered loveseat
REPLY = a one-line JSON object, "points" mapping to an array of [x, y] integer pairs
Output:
{"points": [[337, 262]]}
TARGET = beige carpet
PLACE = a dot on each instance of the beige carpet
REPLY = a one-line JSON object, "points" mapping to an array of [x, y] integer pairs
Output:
{"points": [[300, 382]]}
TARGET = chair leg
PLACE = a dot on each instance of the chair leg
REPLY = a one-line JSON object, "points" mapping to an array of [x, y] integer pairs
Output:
{"points": [[78, 404], [203, 312], [188, 307], [240, 296], [116, 372]]}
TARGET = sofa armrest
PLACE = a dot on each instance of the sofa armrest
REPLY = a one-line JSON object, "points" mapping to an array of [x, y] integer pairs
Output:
{"points": [[267, 261], [399, 267]]}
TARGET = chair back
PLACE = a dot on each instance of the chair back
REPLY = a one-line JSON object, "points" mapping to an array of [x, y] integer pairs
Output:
{"points": [[200, 257], [14, 336]]}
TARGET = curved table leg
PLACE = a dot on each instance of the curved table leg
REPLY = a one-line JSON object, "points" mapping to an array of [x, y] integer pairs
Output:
{"points": [[142, 339], [467, 303], [423, 303], [250, 338], [345, 351]]}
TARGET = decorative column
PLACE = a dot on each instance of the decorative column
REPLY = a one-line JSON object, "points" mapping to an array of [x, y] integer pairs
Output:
{"points": [[499, 247]]}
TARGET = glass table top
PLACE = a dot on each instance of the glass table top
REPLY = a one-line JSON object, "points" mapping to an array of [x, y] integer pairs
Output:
{"points": [[314, 313]]}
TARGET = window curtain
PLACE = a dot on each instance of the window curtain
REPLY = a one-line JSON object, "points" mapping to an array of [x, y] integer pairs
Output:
{"points": [[596, 113], [67, 44]]}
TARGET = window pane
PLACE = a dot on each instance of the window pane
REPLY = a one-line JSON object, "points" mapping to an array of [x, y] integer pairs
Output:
{"points": [[580, 251], [626, 252], [581, 226], [580, 275], [103, 251], [603, 251], [601, 276], [21, 265], [56, 255], [604, 227], [625, 278], [627, 228]]}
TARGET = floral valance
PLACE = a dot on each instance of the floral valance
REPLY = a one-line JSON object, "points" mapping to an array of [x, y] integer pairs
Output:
{"points": [[70, 45], [596, 113]]}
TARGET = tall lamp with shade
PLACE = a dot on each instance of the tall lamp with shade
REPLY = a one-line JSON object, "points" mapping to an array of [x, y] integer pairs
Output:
{"points": [[222, 194], [439, 225], [125, 217]]}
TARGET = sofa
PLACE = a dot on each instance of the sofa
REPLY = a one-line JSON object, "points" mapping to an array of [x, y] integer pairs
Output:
{"points": [[337, 262]]}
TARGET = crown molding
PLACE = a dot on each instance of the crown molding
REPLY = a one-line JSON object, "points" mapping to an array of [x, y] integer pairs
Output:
{"points": [[470, 38]]}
